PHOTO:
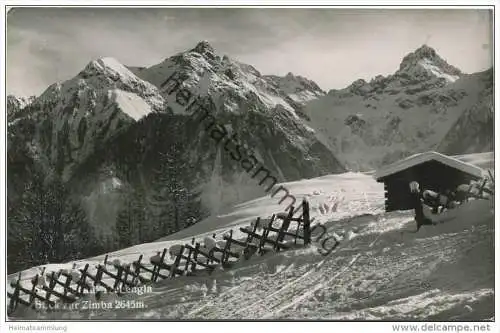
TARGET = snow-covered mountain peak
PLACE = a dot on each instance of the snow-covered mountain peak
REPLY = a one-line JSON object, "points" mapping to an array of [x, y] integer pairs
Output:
{"points": [[405, 112], [233, 85], [85, 111], [203, 57], [424, 51], [107, 98], [203, 47], [419, 71], [101, 77], [109, 66], [110, 73], [425, 60]]}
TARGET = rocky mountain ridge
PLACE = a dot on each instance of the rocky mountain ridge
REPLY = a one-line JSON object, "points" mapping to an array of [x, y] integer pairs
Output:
{"points": [[369, 124], [126, 149]]}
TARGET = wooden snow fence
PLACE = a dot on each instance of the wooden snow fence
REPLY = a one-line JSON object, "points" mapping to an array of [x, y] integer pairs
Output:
{"points": [[188, 259]]}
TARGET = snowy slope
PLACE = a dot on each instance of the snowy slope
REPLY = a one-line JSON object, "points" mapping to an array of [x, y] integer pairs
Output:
{"points": [[131, 104], [382, 270]]}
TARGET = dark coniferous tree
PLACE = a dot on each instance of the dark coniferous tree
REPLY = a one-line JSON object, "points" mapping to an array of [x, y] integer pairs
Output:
{"points": [[47, 226]]}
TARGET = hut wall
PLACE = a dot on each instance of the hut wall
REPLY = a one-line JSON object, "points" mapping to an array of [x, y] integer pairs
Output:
{"points": [[431, 175]]}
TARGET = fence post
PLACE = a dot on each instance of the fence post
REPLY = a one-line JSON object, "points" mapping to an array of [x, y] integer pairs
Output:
{"points": [[188, 260], [52, 285], [67, 283], [82, 283], [118, 279], [156, 268], [195, 257], [491, 176], [98, 276], [15, 295], [176, 262], [284, 227], [137, 270], [227, 249], [263, 238], [33, 287], [307, 222], [254, 230], [480, 192]]}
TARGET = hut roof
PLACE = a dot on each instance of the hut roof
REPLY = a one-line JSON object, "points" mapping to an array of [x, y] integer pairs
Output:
{"points": [[425, 157]]}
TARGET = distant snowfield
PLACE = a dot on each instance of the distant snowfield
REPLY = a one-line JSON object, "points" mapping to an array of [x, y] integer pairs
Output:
{"points": [[133, 105], [384, 271]]}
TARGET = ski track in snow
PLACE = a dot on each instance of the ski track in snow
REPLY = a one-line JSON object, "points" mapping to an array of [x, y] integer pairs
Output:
{"points": [[386, 272], [311, 283], [197, 310], [311, 291], [277, 292]]}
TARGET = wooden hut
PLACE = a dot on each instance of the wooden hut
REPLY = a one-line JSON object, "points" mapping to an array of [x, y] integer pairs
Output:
{"points": [[433, 171]]}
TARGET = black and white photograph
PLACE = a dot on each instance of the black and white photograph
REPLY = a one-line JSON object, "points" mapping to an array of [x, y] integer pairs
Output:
{"points": [[239, 163]]}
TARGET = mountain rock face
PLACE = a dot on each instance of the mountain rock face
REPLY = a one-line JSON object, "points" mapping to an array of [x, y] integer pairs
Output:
{"points": [[131, 147], [15, 105], [370, 124], [474, 130], [296, 87], [74, 117], [253, 109], [426, 63]]}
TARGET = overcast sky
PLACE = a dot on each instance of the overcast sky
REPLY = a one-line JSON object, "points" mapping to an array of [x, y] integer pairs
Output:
{"points": [[333, 47]]}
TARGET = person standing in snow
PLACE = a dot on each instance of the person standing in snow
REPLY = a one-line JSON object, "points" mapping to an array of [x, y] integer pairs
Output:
{"points": [[418, 206]]}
